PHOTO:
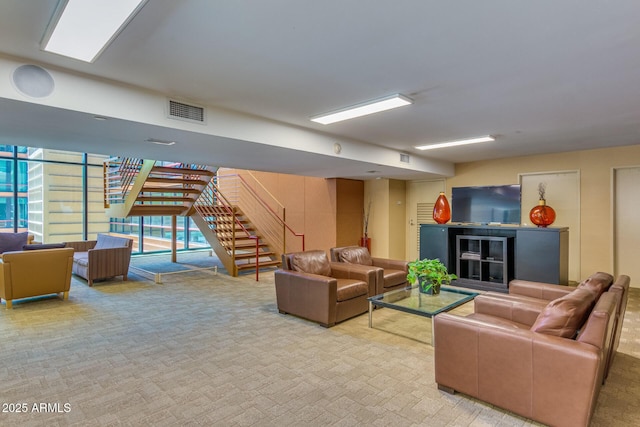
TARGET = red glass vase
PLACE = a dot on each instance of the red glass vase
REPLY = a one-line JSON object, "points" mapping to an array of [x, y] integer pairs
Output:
{"points": [[441, 210], [542, 215]]}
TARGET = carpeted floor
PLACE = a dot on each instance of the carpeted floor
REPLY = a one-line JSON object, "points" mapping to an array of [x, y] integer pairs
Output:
{"points": [[207, 349]]}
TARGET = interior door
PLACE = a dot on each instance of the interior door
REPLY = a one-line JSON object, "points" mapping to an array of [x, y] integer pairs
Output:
{"points": [[626, 234], [421, 196]]}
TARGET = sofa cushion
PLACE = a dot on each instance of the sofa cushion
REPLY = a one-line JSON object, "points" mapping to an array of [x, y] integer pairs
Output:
{"points": [[38, 246], [10, 242], [356, 255], [81, 258], [394, 277], [563, 317], [312, 262], [349, 289], [597, 283], [106, 241]]}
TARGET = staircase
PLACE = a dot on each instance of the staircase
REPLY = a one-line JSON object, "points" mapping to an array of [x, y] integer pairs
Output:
{"points": [[237, 243], [135, 187], [149, 188]]}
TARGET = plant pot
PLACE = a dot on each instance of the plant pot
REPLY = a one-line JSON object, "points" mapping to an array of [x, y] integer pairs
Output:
{"points": [[432, 290]]}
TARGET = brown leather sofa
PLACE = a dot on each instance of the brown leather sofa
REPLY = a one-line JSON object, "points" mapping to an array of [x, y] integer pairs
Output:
{"points": [[543, 360], [106, 257], [391, 273], [25, 274], [543, 293], [310, 286]]}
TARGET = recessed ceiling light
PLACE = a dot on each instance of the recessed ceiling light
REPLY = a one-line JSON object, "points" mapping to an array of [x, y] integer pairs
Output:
{"points": [[476, 140], [100, 118], [363, 109], [160, 142], [82, 29]]}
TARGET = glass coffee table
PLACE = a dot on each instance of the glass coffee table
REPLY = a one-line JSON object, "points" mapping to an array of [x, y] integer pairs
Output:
{"points": [[411, 300]]}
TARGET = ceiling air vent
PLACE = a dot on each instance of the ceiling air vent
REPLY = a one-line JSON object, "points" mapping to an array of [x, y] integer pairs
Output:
{"points": [[182, 111], [404, 157]]}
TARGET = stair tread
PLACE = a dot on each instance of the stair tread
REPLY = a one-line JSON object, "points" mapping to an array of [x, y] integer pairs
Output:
{"points": [[163, 199], [181, 171], [195, 181], [170, 190], [253, 255], [253, 266]]}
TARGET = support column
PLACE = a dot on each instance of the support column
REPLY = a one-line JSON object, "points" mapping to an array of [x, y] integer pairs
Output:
{"points": [[174, 232]]}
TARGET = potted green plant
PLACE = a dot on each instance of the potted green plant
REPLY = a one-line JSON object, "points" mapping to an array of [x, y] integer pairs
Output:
{"points": [[430, 274]]}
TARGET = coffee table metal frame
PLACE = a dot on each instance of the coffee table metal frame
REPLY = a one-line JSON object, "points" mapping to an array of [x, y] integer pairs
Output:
{"points": [[411, 300]]}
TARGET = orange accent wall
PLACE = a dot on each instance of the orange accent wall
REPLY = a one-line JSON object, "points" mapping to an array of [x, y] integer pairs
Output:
{"points": [[327, 211]]}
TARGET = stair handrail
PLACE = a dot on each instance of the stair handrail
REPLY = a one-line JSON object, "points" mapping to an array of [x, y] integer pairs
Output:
{"points": [[207, 198], [118, 176], [273, 213], [273, 230]]}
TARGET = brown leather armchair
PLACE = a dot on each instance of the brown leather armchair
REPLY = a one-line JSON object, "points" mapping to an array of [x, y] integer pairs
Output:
{"points": [[391, 273], [311, 287]]}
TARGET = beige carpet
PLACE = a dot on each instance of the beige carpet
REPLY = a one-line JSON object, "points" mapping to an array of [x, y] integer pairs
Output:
{"points": [[206, 349]]}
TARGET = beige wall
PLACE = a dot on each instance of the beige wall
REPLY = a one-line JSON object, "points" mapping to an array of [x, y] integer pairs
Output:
{"points": [[595, 166], [387, 219]]}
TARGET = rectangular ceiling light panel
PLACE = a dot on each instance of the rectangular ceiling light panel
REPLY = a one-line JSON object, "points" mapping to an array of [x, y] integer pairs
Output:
{"points": [[82, 29], [363, 109], [477, 140]]}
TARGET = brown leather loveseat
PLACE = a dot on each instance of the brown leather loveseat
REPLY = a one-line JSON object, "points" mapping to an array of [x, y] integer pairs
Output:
{"points": [[311, 287], [544, 360]]}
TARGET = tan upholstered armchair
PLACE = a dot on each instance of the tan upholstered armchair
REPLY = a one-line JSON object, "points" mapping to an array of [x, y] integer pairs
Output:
{"points": [[391, 274], [106, 257], [311, 287], [25, 274]]}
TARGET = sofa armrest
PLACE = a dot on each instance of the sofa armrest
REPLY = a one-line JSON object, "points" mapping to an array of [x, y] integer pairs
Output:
{"points": [[366, 273], [82, 245], [535, 375], [539, 290], [392, 264], [517, 311], [307, 295]]}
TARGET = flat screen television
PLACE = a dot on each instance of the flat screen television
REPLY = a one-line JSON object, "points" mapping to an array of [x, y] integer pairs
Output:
{"points": [[488, 204]]}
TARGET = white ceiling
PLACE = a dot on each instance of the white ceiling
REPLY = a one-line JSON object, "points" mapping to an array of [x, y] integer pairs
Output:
{"points": [[542, 76]]}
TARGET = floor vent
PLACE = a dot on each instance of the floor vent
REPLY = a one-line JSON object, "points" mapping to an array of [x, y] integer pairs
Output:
{"points": [[182, 111], [404, 157]]}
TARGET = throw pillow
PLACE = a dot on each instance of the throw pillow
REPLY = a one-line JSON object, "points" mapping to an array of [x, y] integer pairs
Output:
{"points": [[597, 283], [105, 241], [35, 246], [312, 262], [356, 255], [13, 241], [563, 316]]}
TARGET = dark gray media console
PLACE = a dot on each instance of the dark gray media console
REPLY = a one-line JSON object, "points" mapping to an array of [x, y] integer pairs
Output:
{"points": [[488, 257]]}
